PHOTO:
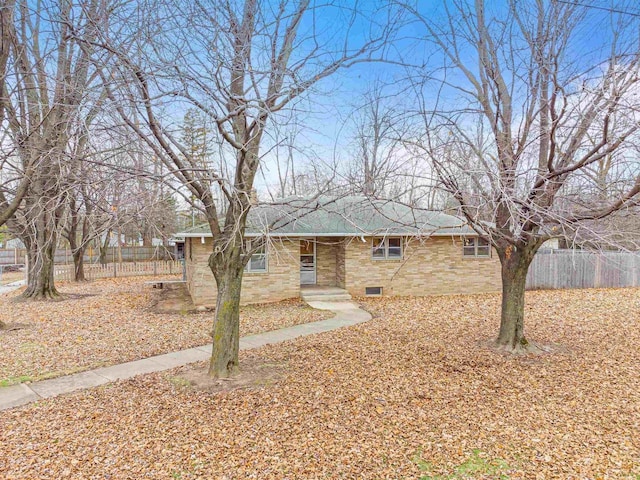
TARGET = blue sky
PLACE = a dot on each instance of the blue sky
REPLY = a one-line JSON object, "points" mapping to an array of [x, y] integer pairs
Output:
{"points": [[329, 125]]}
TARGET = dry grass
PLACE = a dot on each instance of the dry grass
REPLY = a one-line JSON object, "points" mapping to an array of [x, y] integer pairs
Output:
{"points": [[113, 321], [410, 394]]}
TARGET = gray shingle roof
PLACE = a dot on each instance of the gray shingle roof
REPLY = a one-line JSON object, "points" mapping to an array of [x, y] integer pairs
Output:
{"points": [[343, 216]]}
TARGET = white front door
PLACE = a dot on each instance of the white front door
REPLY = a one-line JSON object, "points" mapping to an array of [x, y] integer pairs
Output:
{"points": [[307, 262]]}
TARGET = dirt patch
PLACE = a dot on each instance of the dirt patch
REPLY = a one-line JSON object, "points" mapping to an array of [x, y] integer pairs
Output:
{"points": [[254, 373], [173, 298]]}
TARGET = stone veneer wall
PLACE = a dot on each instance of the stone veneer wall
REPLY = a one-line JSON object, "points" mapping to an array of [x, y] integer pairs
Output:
{"points": [[434, 266], [281, 281]]}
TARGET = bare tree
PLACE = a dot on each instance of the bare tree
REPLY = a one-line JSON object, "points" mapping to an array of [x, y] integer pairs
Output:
{"points": [[299, 169], [284, 163], [515, 118], [378, 157], [44, 97], [88, 214], [241, 64], [14, 180]]}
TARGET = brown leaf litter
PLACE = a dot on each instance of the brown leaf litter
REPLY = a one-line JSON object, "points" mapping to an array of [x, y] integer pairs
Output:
{"points": [[114, 321], [409, 394]]}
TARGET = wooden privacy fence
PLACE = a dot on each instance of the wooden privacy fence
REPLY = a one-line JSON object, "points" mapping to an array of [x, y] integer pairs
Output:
{"points": [[555, 269], [95, 271], [13, 256]]}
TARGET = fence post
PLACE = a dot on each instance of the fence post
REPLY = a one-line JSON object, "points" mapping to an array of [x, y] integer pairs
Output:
{"points": [[155, 268], [15, 256], [597, 281]]}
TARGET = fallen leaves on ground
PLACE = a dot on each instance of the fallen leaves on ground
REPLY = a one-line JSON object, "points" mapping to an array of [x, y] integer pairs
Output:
{"points": [[10, 277], [113, 321], [409, 394]]}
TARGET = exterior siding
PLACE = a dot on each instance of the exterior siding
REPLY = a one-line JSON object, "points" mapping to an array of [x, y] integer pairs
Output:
{"points": [[281, 281], [434, 266]]}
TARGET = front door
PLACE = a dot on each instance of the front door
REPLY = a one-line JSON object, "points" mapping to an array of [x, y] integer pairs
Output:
{"points": [[307, 262]]}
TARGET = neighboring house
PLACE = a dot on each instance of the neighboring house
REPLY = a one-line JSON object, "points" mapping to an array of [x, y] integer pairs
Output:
{"points": [[551, 244], [178, 248], [14, 243], [364, 247]]}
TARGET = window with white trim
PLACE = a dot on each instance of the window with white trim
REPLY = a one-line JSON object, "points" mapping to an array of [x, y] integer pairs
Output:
{"points": [[257, 247], [386, 248], [475, 247]]}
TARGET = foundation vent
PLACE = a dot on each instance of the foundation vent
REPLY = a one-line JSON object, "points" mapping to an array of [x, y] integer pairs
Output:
{"points": [[373, 291]]}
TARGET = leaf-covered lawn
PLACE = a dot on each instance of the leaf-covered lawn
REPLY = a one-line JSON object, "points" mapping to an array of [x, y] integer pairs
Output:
{"points": [[410, 394], [10, 277], [113, 321]]}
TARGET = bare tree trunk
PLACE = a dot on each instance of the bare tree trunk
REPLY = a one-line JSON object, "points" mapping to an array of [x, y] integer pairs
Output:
{"points": [[40, 284], [515, 265], [228, 270], [147, 238], [78, 264], [104, 248]]}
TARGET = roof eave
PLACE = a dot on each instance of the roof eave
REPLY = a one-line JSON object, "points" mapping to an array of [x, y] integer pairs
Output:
{"points": [[329, 234]]}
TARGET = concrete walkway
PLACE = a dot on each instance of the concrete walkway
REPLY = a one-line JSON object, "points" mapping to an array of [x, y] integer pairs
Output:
{"points": [[10, 287], [347, 313]]}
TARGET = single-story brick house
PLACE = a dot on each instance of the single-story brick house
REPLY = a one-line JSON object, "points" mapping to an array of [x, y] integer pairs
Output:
{"points": [[364, 247]]}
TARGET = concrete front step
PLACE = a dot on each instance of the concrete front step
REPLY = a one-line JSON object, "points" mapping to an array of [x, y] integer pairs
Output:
{"points": [[324, 294], [343, 297]]}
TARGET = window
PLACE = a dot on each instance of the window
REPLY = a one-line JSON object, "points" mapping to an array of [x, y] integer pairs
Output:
{"points": [[373, 291], [476, 247], [386, 248], [377, 250], [258, 250]]}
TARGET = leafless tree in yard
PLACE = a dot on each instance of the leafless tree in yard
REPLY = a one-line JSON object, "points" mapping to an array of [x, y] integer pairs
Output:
{"points": [[296, 169], [378, 157], [242, 64], [44, 97], [88, 213], [14, 180], [522, 109], [8, 205], [380, 165]]}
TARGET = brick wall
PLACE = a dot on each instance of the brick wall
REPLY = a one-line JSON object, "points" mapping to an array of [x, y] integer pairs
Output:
{"points": [[281, 281], [340, 264], [326, 257], [434, 266]]}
